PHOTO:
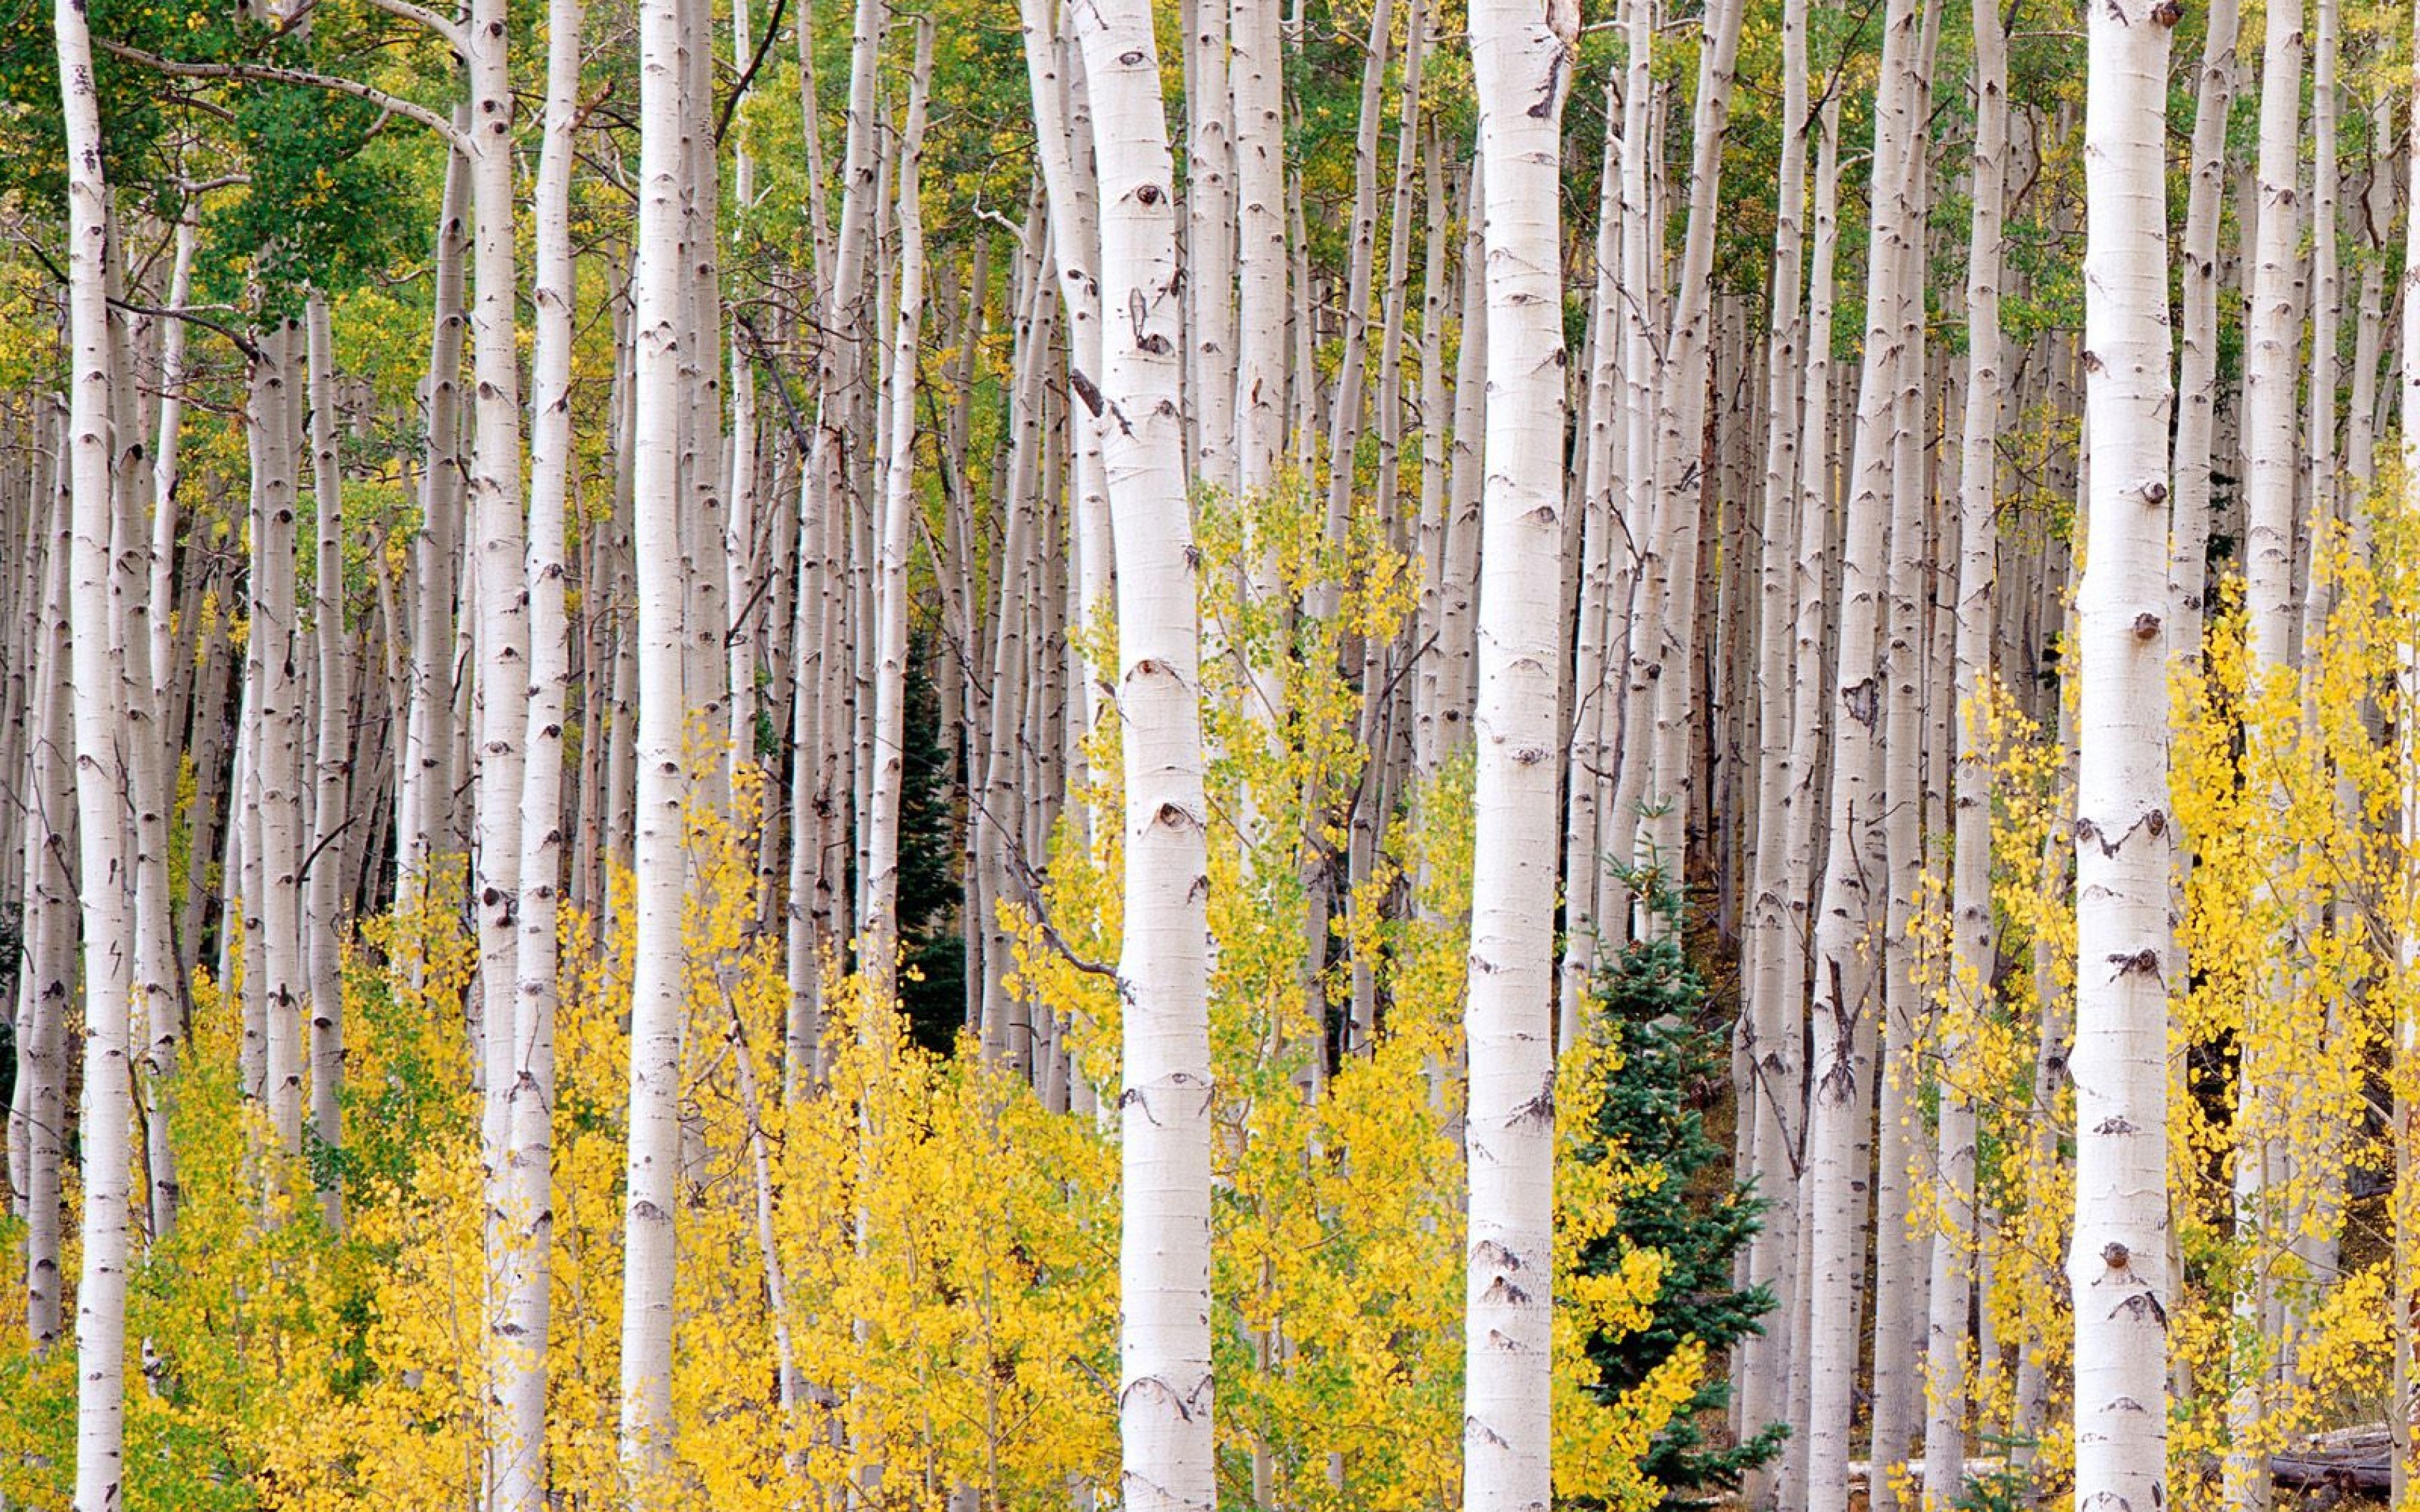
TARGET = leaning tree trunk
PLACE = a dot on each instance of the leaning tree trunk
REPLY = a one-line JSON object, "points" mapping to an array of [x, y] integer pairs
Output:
{"points": [[1522, 52], [1164, 1400], [2119, 1261]]}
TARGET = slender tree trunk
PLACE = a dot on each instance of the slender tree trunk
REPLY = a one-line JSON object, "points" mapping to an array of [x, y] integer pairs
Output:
{"points": [[1898, 1307], [1805, 813], [2197, 376], [273, 645], [1840, 1098], [425, 785], [520, 1458], [657, 990], [101, 738], [899, 503], [1687, 350], [2272, 342], [1955, 1235], [1164, 1252], [500, 642], [2119, 1263], [39, 1110], [1773, 1085], [1257, 72], [1210, 238], [334, 759], [814, 865], [1521, 54]]}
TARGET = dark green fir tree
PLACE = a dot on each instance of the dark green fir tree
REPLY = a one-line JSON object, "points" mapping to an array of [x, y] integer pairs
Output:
{"points": [[1651, 1004]]}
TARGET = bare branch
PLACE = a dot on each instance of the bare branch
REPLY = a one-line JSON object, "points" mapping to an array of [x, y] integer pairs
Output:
{"points": [[265, 73], [448, 32]]}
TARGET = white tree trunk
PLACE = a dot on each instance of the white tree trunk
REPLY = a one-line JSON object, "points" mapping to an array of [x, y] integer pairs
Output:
{"points": [[821, 709], [1257, 75], [740, 554], [38, 1110], [2197, 375], [658, 995], [334, 762], [1164, 1400], [518, 1458], [1971, 935], [2119, 1263], [2272, 475], [1210, 236], [273, 646], [1774, 1088], [1687, 349], [1522, 52], [899, 504], [499, 682], [1850, 911], [425, 783], [1806, 805], [101, 756]]}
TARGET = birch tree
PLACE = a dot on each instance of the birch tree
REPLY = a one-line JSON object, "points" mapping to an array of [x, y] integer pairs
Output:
{"points": [[2272, 476], [520, 1458], [104, 881], [1521, 54], [657, 988], [2118, 1262], [881, 911], [1954, 1248], [1164, 1396]]}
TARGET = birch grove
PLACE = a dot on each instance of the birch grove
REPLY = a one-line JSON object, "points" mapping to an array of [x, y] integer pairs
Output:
{"points": [[1258, 753]]}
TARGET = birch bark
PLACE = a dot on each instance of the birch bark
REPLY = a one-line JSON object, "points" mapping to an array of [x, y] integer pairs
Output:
{"points": [[1971, 940], [2119, 1263], [1839, 1114], [519, 1459], [898, 505], [333, 758], [2272, 471], [102, 739], [1773, 1085], [657, 994], [1521, 52], [1164, 1400], [425, 781]]}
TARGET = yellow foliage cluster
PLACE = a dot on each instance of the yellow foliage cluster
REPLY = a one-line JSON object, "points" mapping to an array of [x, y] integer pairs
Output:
{"points": [[2294, 885], [899, 1285]]}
